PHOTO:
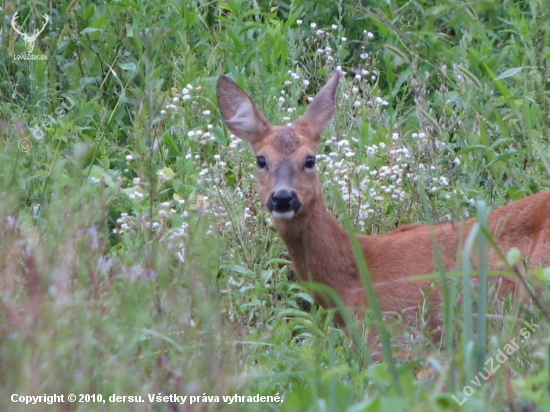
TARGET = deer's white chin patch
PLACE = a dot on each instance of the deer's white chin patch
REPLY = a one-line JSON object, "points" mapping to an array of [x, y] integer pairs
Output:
{"points": [[283, 215]]}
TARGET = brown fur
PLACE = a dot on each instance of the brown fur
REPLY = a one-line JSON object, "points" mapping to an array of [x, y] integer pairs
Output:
{"points": [[285, 142], [319, 246]]}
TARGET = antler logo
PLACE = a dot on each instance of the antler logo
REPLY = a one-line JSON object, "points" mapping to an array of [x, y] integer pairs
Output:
{"points": [[30, 40]]}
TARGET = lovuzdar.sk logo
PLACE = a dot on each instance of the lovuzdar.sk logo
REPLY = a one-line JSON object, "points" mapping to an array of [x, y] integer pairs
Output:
{"points": [[29, 39]]}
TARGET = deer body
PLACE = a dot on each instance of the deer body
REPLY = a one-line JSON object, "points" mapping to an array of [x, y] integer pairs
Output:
{"points": [[319, 247]]}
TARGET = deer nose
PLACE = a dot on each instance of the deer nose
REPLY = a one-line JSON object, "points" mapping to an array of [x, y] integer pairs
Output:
{"points": [[284, 201]]}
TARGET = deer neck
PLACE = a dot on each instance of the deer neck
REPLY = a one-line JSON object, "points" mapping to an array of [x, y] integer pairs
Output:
{"points": [[319, 248]]}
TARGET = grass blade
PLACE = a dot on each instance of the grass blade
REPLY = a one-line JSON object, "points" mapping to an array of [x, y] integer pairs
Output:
{"points": [[468, 321], [481, 338]]}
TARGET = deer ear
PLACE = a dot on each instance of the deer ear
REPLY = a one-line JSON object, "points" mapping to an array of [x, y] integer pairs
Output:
{"points": [[320, 111], [241, 116]]}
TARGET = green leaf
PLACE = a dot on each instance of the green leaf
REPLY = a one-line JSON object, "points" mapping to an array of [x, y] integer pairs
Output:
{"points": [[171, 144], [277, 261], [509, 73], [88, 30], [166, 173], [472, 149], [97, 172], [293, 313], [240, 269], [128, 67]]}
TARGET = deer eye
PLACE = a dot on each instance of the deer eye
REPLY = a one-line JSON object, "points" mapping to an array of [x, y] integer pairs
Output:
{"points": [[310, 162], [261, 162]]}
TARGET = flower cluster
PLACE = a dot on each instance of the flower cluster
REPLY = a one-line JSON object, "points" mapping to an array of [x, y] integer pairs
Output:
{"points": [[177, 96], [365, 187]]}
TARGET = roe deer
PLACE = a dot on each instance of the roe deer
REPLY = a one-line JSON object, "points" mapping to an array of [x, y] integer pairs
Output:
{"points": [[319, 247]]}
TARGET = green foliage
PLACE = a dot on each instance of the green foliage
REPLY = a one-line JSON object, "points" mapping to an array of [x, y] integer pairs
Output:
{"points": [[137, 257]]}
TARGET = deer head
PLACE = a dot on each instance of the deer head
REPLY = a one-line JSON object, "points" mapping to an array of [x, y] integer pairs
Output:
{"points": [[30, 40], [286, 173]]}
